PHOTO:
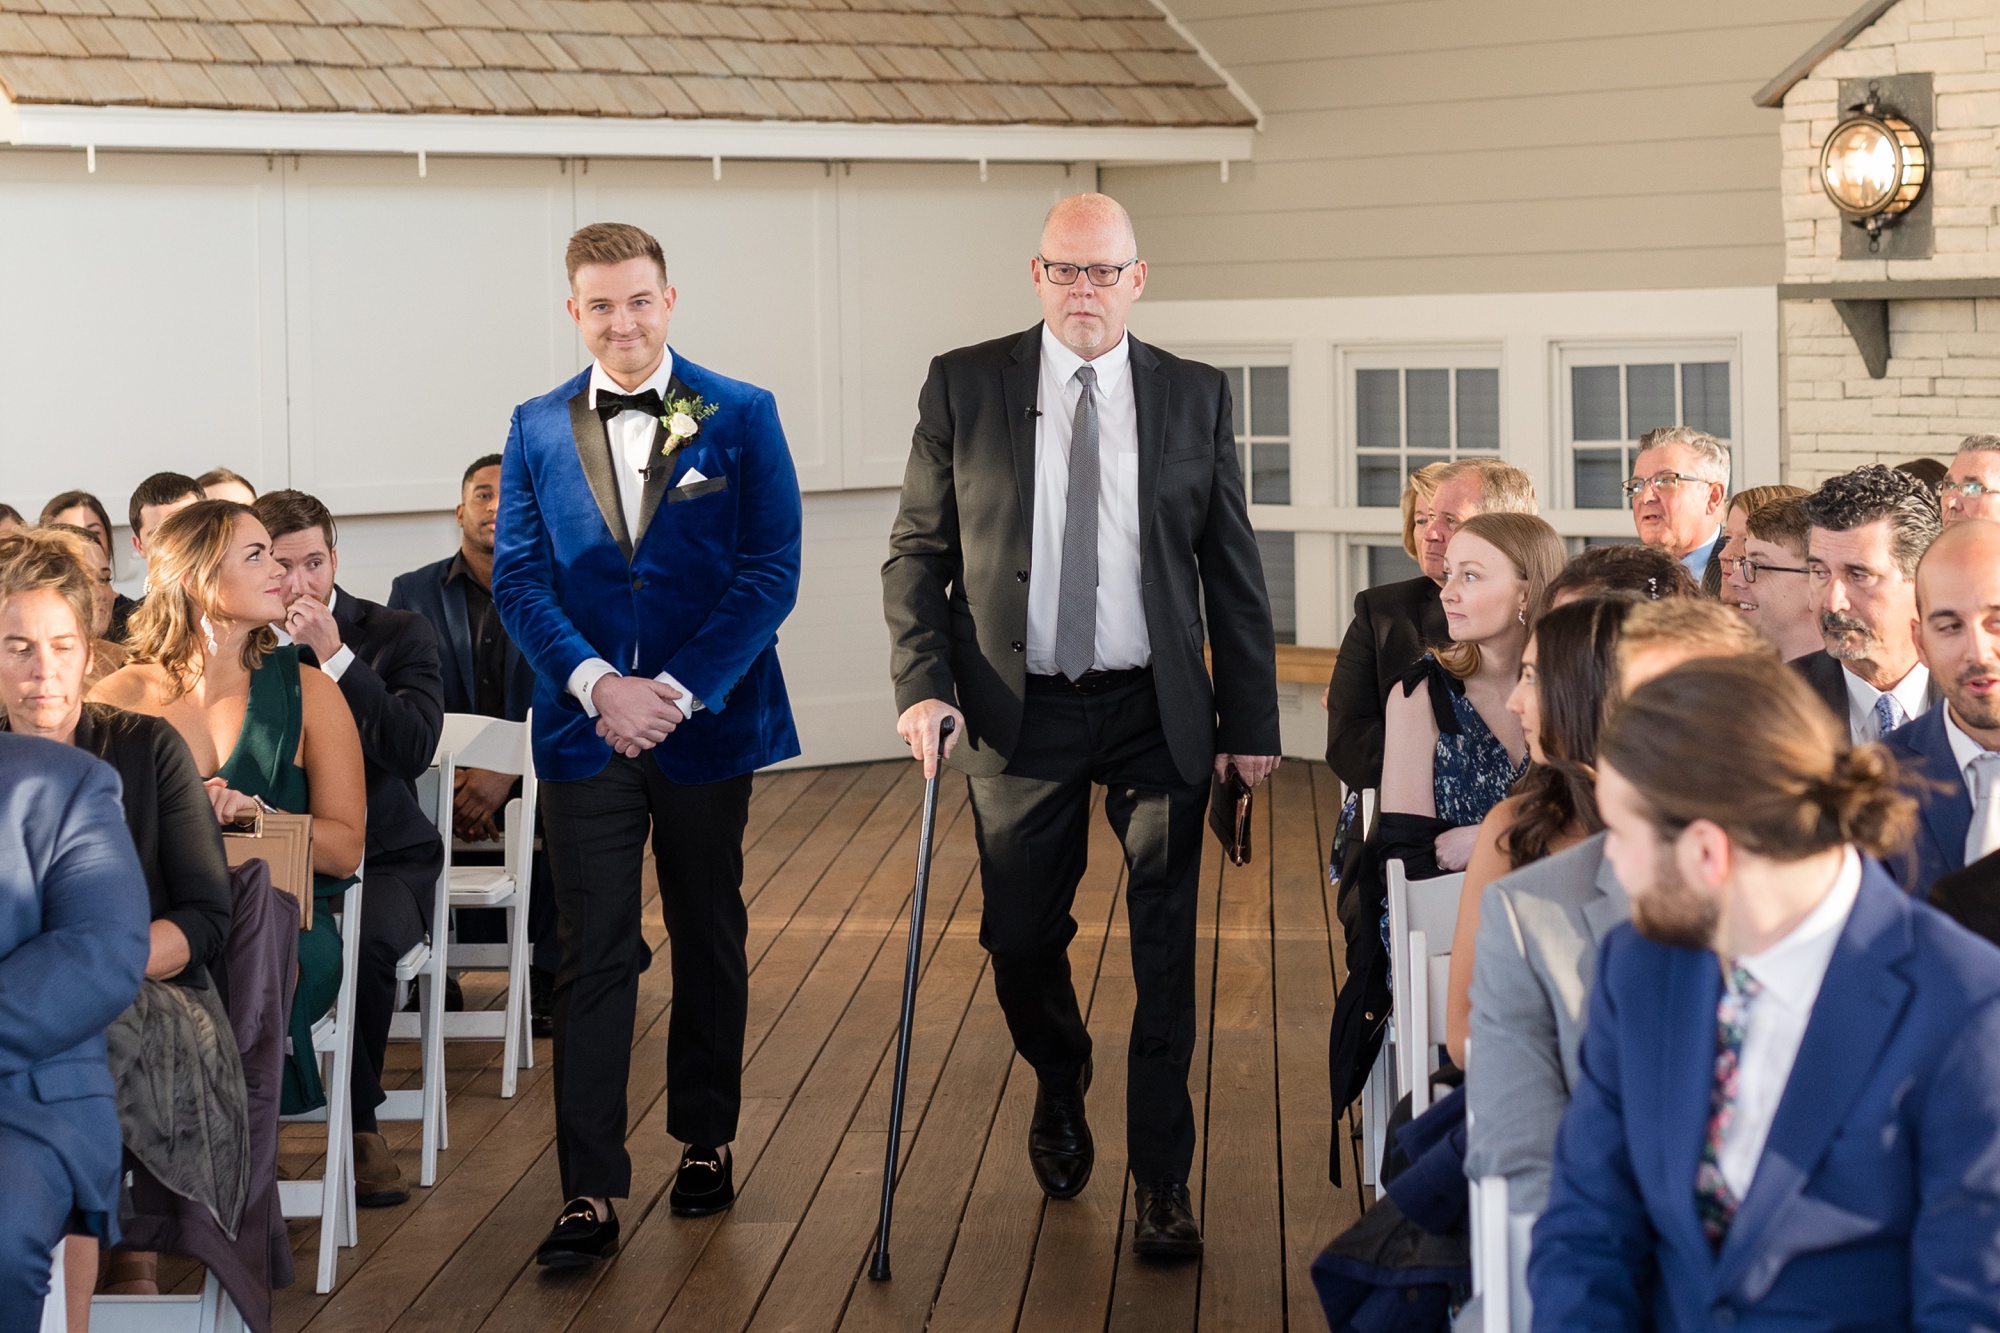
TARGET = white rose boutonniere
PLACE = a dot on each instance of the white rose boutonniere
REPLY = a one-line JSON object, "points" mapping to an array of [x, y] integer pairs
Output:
{"points": [[682, 420]]}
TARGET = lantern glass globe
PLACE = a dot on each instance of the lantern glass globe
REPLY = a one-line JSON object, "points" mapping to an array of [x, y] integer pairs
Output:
{"points": [[1862, 166]]}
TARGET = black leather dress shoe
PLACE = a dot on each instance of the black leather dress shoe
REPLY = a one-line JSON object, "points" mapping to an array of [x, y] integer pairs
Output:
{"points": [[1060, 1149], [705, 1183], [1164, 1227], [579, 1238]]}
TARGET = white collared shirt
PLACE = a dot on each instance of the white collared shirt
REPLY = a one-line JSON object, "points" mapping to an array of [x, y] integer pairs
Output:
{"points": [[1122, 640], [1790, 972], [631, 436], [1964, 749], [334, 667], [1912, 692]]}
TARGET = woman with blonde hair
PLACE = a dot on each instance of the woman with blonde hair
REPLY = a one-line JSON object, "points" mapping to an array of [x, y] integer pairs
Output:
{"points": [[261, 725]]}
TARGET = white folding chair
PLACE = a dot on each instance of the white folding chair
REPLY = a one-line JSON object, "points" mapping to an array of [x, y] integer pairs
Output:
{"points": [[1422, 916], [424, 966], [55, 1306], [499, 746], [1378, 1094], [1500, 1242], [210, 1312], [330, 1197]]}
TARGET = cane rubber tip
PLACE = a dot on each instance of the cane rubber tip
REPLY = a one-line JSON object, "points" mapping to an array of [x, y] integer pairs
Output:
{"points": [[879, 1270]]}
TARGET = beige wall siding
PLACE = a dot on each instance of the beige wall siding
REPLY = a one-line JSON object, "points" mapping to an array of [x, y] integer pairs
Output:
{"points": [[1483, 146]]}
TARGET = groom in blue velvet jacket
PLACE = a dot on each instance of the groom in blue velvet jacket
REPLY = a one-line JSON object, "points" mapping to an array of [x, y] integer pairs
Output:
{"points": [[647, 550]]}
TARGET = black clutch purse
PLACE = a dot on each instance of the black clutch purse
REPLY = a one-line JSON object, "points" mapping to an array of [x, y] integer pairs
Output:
{"points": [[1229, 816]]}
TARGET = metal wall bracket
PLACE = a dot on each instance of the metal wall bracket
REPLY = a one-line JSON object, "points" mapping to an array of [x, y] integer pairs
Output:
{"points": [[1868, 322]]}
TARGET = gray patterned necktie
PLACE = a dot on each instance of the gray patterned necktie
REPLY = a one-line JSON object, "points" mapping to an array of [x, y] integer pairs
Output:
{"points": [[1076, 596]]}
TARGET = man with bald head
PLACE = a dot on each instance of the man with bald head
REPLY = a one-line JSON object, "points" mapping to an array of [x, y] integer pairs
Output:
{"points": [[1072, 528], [1956, 745]]}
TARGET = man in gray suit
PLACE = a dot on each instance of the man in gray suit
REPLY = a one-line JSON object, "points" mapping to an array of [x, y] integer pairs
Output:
{"points": [[1539, 929]]}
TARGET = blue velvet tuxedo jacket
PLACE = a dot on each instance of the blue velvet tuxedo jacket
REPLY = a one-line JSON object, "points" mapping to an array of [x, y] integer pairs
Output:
{"points": [[1876, 1204], [74, 935], [1923, 750], [699, 593]]}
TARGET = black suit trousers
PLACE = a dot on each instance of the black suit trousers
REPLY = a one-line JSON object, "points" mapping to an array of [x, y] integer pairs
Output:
{"points": [[1033, 830], [396, 899], [596, 839]]}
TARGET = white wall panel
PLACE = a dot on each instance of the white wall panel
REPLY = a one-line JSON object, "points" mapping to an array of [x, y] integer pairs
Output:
{"points": [[931, 259], [753, 259], [136, 332], [419, 311]]}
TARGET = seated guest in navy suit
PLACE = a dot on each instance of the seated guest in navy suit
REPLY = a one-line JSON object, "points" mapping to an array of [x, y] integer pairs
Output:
{"points": [[74, 939], [484, 673], [1790, 1080], [1950, 750]]}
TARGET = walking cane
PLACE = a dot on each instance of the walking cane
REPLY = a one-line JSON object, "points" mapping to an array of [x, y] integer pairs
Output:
{"points": [[879, 1268]]}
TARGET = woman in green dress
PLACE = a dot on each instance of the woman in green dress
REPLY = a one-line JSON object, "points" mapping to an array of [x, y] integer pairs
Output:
{"points": [[206, 660]]}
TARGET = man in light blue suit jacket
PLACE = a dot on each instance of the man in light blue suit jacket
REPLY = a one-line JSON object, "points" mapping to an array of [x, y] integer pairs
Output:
{"points": [[74, 935], [646, 551], [1790, 1080]]}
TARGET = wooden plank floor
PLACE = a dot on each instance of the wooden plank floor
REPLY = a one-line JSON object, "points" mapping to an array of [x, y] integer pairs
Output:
{"points": [[829, 860]]}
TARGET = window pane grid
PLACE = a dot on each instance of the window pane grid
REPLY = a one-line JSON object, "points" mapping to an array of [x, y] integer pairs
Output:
{"points": [[1262, 420], [1611, 406], [1406, 419]]}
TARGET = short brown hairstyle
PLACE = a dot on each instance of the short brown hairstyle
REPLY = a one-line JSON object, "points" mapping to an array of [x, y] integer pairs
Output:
{"points": [[40, 559], [162, 488], [285, 512], [1699, 621], [215, 476], [1783, 523], [74, 500], [1752, 498], [1536, 553], [1624, 569], [1780, 778], [612, 243], [185, 557], [1503, 488]]}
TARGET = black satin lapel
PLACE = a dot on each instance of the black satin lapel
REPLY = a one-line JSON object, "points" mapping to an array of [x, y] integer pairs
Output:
{"points": [[1019, 384], [593, 450], [1149, 391]]}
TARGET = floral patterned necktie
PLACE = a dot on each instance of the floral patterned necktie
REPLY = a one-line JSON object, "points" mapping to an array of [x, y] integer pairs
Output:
{"points": [[1714, 1202]]}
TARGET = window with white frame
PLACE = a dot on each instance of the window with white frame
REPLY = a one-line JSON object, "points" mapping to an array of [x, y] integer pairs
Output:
{"points": [[1262, 396], [1412, 407], [1610, 396]]}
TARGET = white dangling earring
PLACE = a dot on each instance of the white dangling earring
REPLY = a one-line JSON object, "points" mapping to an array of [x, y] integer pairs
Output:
{"points": [[208, 632], [1522, 615]]}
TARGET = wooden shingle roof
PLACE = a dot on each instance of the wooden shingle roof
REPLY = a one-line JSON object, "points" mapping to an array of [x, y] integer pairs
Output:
{"points": [[966, 62]]}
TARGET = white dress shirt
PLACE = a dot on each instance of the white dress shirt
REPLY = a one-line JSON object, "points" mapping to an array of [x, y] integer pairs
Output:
{"points": [[1964, 749], [1122, 641], [631, 436], [1912, 692], [1790, 972], [336, 666]]}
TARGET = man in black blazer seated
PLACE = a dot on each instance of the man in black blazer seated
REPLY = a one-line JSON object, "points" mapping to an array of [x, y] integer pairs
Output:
{"points": [[386, 664], [1073, 502], [1395, 623], [484, 674], [1868, 530]]}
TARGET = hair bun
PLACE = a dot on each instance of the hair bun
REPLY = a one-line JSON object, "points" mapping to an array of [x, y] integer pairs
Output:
{"points": [[1860, 799]]}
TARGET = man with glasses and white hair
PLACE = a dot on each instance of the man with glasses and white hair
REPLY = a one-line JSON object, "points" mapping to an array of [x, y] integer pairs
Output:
{"points": [[1971, 487], [1679, 493]]}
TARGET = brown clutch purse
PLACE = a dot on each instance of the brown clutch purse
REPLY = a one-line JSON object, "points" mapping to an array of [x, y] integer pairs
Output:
{"points": [[1229, 816]]}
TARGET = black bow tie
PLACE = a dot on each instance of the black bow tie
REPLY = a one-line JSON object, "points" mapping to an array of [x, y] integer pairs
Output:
{"points": [[610, 405]]}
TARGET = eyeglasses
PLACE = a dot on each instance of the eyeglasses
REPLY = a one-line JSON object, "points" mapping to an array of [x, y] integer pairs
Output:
{"points": [[1101, 275], [1971, 490], [1664, 483], [1749, 569]]}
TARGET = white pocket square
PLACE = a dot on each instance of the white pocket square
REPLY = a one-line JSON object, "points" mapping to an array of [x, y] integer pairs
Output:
{"points": [[690, 477]]}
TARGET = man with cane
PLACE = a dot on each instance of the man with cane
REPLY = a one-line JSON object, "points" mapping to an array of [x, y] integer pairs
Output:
{"points": [[1072, 515]]}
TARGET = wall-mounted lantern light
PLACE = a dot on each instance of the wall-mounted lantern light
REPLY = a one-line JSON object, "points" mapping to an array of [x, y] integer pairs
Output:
{"points": [[1874, 167]]}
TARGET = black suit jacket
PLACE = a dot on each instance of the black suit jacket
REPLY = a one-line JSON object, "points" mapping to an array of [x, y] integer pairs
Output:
{"points": [[428, 592], [395, 691], [955, 588], [1829, 681], [1392, 626]]}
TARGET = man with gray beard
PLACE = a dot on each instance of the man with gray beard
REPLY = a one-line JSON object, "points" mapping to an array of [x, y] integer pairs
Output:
{"points": [[1953, 747], [1869, 528]]}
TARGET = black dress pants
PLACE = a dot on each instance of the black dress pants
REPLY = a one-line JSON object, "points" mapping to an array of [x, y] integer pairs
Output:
{"points": [[596, 840], [1033, 830], [396, 897]]}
